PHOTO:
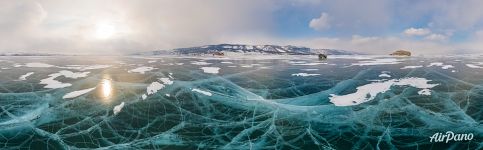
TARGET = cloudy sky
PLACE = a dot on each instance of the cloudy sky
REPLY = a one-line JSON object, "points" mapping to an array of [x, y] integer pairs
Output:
{"points": [[122, 26]]}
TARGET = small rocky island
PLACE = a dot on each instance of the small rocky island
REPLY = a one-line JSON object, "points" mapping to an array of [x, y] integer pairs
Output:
{"points": [[401, 53]]}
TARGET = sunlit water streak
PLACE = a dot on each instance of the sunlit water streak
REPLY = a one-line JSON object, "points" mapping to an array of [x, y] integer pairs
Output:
{"points": [[106, 89]]}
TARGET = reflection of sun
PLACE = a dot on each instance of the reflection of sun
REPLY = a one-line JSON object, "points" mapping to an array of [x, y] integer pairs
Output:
{"points": [[105, 30], [106, 88]]}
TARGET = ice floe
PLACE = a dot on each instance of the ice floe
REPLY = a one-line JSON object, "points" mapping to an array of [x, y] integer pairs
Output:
{"points": [[24, 77], [226, 62], [117, 109], [369, 91], [411, 67], [305, 74], [212, 70], [75, 94], [202, 92], [141, 70]]}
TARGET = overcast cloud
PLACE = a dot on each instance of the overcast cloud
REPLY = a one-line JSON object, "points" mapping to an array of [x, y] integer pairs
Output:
{"points": [[122, 26]]}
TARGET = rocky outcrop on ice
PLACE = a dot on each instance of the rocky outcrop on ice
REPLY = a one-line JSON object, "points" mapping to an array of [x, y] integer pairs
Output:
{"points": [[401, 53]]}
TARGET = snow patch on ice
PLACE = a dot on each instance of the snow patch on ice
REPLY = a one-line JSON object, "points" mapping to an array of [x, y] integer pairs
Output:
{"points": [[202, 92], [435, 64], [411, 67], [296, 62], [309, 69], [51, 83], [381, 61], [309, 64], [73, 75], [154, 87], [85, 67], [141, 70], [305, 74], [473, 66], [200, 63], [212, 70], [36, 65], [440, 64], [384, 75], [24, 77], [369, 91], [250, 65], [117, 109], [75, 94], [166, 81], [424, 92]]}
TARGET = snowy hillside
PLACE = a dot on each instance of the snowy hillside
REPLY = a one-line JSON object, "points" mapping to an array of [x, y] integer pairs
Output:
{"points": [[249, 49]]}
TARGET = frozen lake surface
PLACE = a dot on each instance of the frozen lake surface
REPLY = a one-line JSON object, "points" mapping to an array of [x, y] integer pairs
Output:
{"points": [[263, 102]]}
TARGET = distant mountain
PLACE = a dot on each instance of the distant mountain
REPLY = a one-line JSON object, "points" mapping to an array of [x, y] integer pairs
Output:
{"points": [[249, 49], [28, 54], [334, 52]]}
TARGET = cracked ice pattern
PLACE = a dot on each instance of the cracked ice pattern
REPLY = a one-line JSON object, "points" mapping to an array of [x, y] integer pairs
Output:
{"points": [[249, 107]]}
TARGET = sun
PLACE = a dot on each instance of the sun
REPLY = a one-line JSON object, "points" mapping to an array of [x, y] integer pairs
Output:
{"points": [[105, 30]]}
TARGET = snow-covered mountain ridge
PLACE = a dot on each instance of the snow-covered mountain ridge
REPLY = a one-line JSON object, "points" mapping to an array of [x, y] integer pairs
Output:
{"points": [[249, 49]]}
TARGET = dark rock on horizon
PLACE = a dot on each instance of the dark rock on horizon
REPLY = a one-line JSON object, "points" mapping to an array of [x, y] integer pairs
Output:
{"points": [[401, 53]]}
